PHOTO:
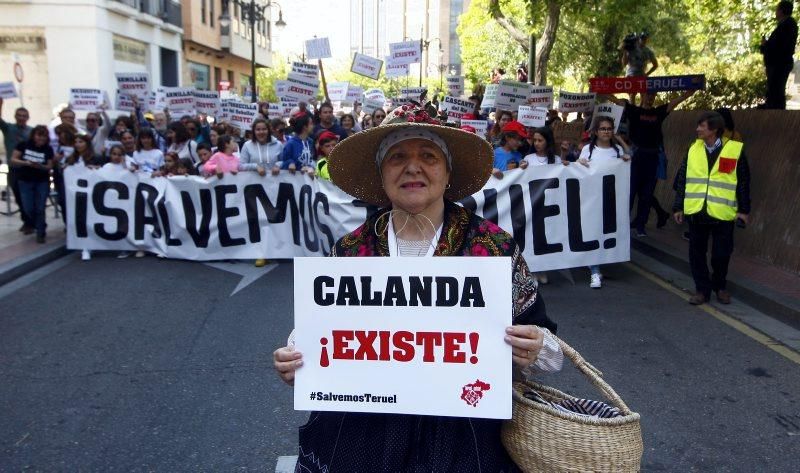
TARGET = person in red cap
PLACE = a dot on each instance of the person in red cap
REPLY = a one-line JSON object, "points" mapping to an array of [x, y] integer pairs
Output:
{"points": [[326, 141], [511, 138], [468, 128]]}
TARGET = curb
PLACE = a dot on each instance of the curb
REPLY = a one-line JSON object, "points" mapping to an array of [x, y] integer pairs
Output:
{"points": [[758, 296], [25, 264]]}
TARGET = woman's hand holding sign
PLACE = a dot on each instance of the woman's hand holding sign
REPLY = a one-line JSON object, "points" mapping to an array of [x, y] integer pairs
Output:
{"points": [[286, 361], [526, 342]]}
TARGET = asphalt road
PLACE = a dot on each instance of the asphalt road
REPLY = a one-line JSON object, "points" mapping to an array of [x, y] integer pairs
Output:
{"points": [[153, 365]]}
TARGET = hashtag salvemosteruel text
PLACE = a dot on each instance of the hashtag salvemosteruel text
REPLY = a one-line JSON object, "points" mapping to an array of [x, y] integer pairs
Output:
{"points": [[362, 398]]}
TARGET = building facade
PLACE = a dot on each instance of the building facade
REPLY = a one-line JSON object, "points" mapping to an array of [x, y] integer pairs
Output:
{"points": [[218, 58], [376, 23], [62, 44]]}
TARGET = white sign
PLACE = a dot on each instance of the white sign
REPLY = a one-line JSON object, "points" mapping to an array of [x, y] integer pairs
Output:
{"points": [[406, 52], [395, 70], [610, 110], [575, 102], [179, 100], [375, 94], [207, 102], [413, 93], [242, 115], [305, 69], [489, 96], [134, 83], [511, 94], [366, 66], [355, 94], [455, 108], [541, 97], [124, 102], [301, 87], [532, 116], [481, 126], [275, 111], [318, 48], [7, 90], [455, 86], [86, 99], [568, 216], [370, 105], [365, 350], [337, 91], [288, 104], [281, 87]]}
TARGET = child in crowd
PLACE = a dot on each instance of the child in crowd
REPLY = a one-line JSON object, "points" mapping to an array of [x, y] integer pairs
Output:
{"points": [[118, 160], [171, 165], [224, 160], [147, 157], [510, 140], [325, 144]]}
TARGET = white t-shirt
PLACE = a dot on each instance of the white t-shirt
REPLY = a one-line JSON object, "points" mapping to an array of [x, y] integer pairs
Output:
{"points": [[601, 154], [148, 161], [534, 159]]}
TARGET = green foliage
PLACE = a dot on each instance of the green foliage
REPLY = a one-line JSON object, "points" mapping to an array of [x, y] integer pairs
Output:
{"points": [[718, 38], [266, 77]]}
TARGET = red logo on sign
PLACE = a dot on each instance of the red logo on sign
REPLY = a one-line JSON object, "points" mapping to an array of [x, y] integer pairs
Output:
{"points": [[473, 393]]}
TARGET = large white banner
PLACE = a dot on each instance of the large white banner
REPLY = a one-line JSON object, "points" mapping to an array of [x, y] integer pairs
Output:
{"points": [[364, 351], [561, 216]]}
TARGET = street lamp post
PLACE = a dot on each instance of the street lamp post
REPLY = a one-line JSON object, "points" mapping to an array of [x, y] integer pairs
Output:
{"points": [[423, 46], [252, 13]]}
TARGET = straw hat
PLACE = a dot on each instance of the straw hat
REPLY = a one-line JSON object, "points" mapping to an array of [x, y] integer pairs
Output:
{"points": [[353, 168]]}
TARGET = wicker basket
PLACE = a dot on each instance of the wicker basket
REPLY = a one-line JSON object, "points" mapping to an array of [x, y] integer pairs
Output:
{"points": [[540, 438]]}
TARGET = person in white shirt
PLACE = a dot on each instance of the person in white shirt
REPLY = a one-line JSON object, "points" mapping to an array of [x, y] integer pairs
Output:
{"points": [[604, 146], [181, 143], [147, 158]]}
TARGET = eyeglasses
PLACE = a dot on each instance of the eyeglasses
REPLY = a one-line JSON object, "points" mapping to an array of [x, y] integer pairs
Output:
{"points": [[605, 129]]}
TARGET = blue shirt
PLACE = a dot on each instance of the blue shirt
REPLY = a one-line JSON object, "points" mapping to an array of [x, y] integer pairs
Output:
{"points": [[503, 157]]}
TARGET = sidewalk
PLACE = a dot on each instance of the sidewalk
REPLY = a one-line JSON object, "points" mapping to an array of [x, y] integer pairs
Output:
{"points": [[771, 290], [20, 254]]}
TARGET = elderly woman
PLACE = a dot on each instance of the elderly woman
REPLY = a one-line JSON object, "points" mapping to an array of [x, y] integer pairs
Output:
{"points": [[416, 169]]}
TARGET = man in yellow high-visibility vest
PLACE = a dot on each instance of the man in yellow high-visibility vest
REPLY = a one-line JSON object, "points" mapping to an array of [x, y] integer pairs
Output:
{"points": [[712, 193]]}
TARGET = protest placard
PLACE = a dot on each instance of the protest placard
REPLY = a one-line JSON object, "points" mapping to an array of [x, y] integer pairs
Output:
{"points": [[455, 86], [242, 115], [541, 96], [481, 126], [455, 108], [365, 350], [337, 91], [281, 86], [287, 105], [305, 69], [301, 87], [532, 116], [395, 70], [413, 93], [489, 96], [86, 99], [7, 90], [405, 52], [318, 48], [575, 102], [608, 109], [207, 102], [366, 66], [179, 99], [511, 94], [124, 102], [673, 83], [617, 85], [134, 83], [374, 94], [370, 105], [275, 111], [354, 94]]}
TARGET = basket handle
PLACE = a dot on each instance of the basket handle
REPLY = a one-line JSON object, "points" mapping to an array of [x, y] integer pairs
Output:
{"points": [[594, 375]]}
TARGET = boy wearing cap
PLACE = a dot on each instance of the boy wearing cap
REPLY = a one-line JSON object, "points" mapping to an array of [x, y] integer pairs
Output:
{"points": [[507, 153]]}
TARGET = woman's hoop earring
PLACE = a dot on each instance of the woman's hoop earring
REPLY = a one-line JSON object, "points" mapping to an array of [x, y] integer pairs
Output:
{"points": [[447, 186]]}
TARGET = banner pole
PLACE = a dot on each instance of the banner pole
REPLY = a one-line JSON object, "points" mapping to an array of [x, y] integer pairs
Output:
{"points": [[324, 84]]}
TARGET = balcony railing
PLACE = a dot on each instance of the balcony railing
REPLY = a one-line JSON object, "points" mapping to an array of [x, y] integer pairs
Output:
{"points": [[167, 10]]}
